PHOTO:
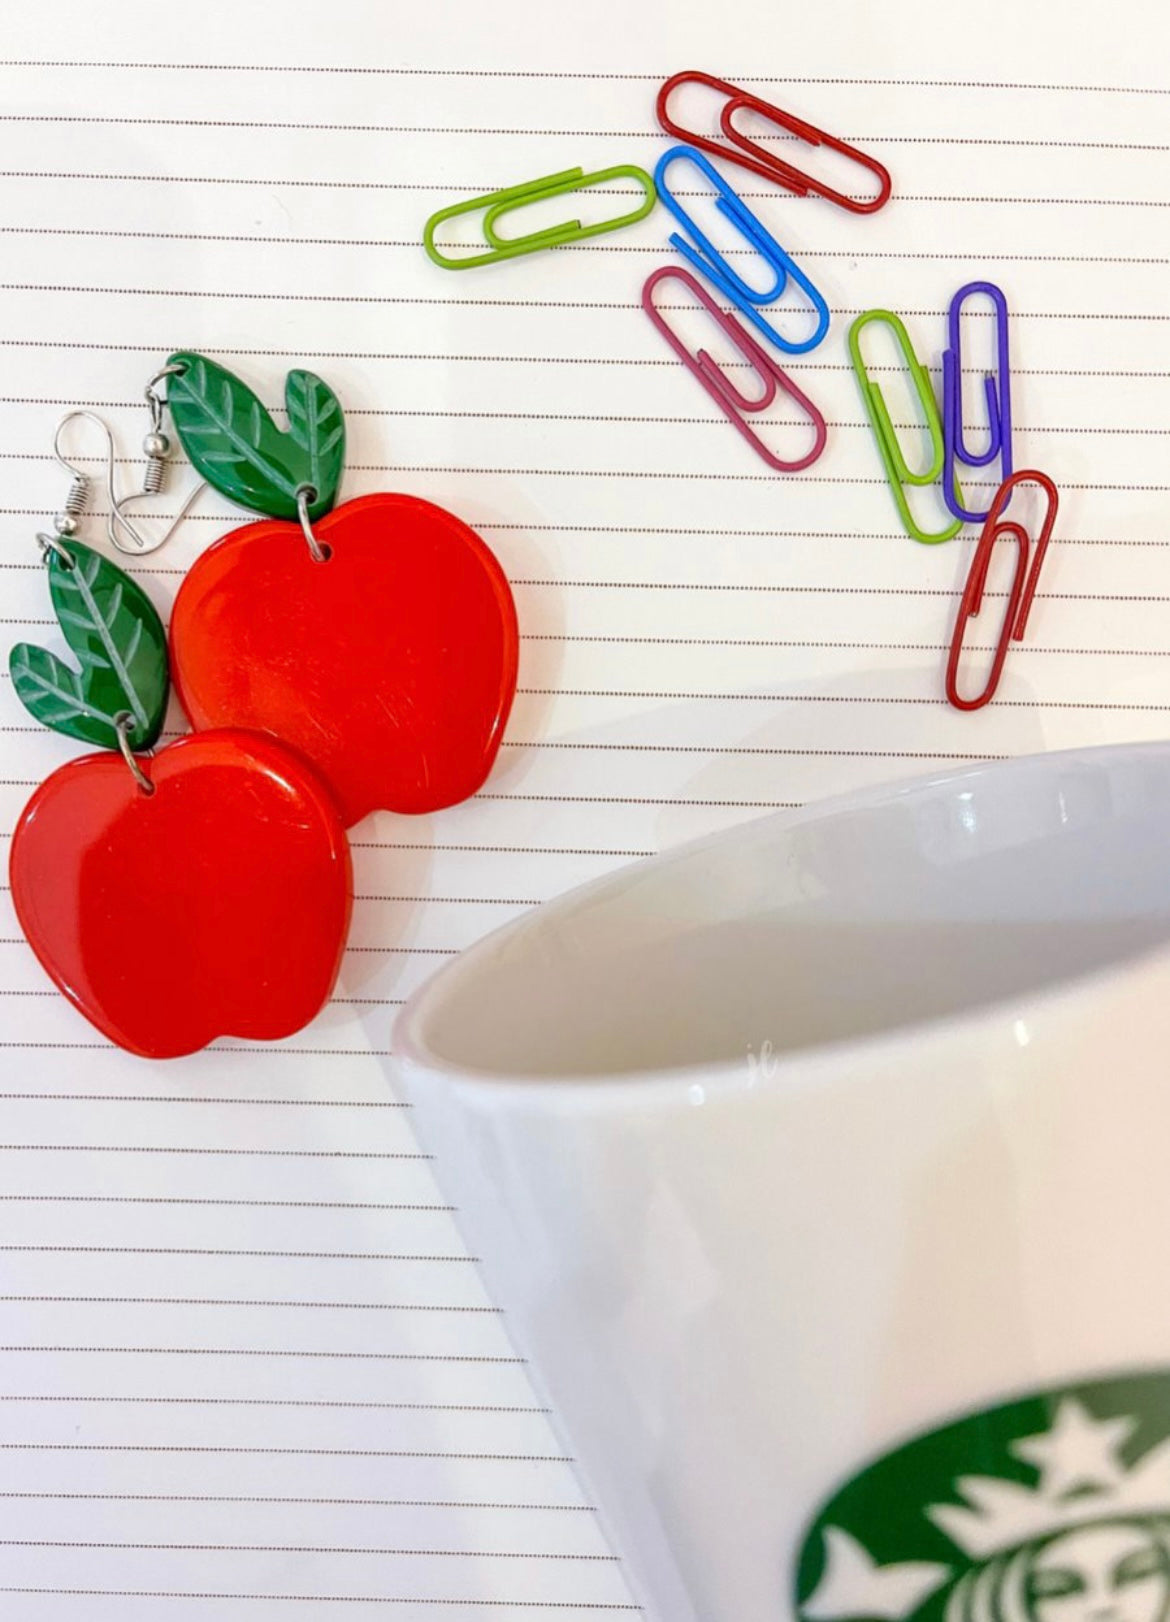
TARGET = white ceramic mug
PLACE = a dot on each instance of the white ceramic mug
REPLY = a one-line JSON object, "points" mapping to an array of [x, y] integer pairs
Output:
{"points": [[817, 1144]]}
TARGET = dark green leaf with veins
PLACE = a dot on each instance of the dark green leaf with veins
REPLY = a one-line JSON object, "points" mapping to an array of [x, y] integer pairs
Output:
{"points": [[115, 634], [234, 443]]}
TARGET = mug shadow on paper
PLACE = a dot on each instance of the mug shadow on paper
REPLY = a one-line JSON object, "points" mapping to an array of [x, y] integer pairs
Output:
{"points": [[797, 730]]}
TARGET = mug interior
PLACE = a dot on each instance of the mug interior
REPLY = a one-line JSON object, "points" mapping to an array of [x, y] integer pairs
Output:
{"points": [[902, 905]]}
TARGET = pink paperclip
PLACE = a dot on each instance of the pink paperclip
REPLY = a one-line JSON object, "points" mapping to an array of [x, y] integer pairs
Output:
{"points": [[731, 400]]}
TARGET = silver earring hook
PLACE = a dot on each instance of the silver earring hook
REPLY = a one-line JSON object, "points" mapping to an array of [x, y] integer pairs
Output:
{"points": [[121, 531], [76, 501], [127, 538], [174, 370], [156, 445]]}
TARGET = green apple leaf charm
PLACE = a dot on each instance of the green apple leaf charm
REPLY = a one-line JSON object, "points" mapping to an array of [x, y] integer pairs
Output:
{"points": [[114, 632], [234, 443]]}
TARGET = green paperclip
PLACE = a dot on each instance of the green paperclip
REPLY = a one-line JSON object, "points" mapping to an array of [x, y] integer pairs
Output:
{"points": [[498, 203], [897, 471]]}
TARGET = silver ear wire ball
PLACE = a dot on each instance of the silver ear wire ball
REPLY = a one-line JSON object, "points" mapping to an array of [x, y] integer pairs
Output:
{"points": [[65, 524], [156, 445]]}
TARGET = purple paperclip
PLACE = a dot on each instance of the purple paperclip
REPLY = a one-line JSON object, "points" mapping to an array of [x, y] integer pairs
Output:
{"points": [[999, 403], [731, 400]]}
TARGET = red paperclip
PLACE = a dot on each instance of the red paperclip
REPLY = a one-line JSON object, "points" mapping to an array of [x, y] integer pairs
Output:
{"points": [[1023, 587], [731, 400], [755, 157]]}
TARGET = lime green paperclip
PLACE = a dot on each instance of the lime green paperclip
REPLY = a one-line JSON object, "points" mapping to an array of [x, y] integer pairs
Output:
{"points": [[497, 203], [898, 472]]}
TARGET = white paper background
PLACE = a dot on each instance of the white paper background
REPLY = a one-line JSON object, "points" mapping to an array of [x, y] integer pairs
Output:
{"points": [[246, 1366]]}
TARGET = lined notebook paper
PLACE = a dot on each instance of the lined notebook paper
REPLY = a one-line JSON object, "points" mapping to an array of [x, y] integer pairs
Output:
{"points": [[246, 1365]]}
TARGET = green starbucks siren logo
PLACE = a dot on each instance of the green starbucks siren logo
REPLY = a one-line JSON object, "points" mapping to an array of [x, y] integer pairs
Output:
{"points": [[1054, 1508]]}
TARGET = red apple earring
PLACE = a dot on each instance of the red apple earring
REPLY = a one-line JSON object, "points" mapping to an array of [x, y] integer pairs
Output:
{"points": [[173, 897], [377, 638]]}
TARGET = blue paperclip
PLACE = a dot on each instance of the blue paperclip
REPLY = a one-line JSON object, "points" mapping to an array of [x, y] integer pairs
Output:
{"points": [[705, 256], [999, 402]]}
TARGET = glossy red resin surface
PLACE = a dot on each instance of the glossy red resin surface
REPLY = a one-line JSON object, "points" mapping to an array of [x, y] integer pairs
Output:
{"points": [[391, 667], [218, 905]]}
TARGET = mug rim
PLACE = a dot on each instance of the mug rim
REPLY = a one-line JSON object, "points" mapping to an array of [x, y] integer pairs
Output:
{"points": [[408, 1046]]}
